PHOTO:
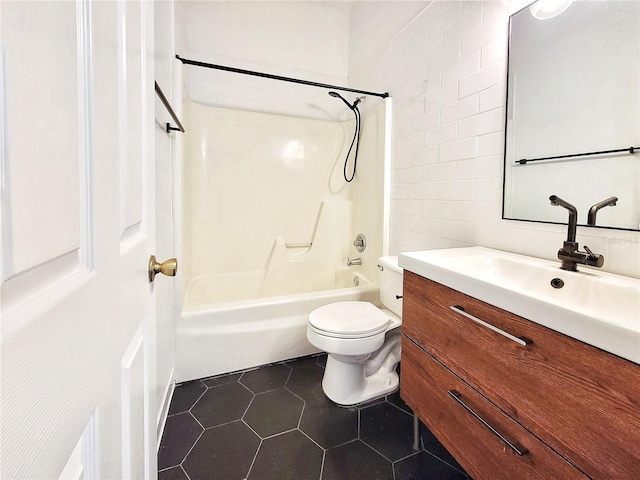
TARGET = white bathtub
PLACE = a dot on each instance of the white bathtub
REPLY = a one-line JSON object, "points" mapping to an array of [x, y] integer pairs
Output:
{"points": [[218, 338]]}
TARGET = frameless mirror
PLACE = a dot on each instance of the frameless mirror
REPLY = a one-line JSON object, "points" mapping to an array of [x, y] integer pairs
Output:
{"points": [[573, 92]]}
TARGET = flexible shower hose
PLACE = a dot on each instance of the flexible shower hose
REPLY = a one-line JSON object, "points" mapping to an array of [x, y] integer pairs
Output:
{"points": [[356, 140]]}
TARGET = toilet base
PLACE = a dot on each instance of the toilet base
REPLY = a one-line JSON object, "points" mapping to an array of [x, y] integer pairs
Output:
{"points": [[347, 385]]}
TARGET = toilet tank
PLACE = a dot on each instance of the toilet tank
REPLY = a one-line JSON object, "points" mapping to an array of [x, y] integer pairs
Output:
{"points": [[390, 283]]}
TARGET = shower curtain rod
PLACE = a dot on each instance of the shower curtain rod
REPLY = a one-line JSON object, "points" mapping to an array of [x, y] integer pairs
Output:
{"points": [[278, 77]]}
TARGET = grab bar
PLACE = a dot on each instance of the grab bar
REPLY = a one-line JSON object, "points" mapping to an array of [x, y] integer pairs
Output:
{"points": [[298, 245], [167, 105]]}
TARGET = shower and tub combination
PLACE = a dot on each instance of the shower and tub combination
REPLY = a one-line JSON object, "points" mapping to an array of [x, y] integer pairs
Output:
{"points": [[271, 229]]}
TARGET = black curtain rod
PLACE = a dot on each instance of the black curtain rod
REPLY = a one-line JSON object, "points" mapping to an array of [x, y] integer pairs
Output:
{"points": [[632, 150], [277, 77]]}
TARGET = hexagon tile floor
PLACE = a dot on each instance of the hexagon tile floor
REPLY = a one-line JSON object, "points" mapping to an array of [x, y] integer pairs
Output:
{"points": [[274, 423]]}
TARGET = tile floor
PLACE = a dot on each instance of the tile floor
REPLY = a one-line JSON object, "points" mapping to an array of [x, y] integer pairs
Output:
{"points": [[274, 422]]}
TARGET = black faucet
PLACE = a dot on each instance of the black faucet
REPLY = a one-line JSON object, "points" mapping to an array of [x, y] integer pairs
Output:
{"points": [[591, 218], [569, 253]]}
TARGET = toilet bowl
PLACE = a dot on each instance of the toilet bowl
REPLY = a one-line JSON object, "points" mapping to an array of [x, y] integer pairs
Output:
{"points": [[362, 341]]}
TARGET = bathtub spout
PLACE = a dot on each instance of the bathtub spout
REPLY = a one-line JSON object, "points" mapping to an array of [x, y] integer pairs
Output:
{"points": [[387, 357], [354, 261]]}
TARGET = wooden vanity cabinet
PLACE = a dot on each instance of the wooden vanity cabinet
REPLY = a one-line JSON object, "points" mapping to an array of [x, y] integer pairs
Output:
{"points": [[575, 408], [429, 388]]}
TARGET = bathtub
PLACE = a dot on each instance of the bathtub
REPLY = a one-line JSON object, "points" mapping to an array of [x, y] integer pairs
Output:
{"points": [[215, 338]]}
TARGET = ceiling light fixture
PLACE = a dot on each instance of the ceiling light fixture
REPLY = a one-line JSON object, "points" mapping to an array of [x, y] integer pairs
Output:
{"points": [[545, 9]]}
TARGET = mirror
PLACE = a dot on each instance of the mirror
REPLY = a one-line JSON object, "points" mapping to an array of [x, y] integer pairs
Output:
{"points": [[574, 88]]}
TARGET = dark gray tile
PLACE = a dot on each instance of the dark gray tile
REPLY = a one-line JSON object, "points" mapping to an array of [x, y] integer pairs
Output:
{"points": [[227, 450], [368, 403], [355, 461], [388, 430], [274, 412], [322, 360], [174, 473], [266, 378], [303, 361], [424, 466], [222, 379], [395, 399], [290, 456], [432, 445], [328, 424], [180, 433], [185, 396], [222, 404], [224, 452], [306, 382]]}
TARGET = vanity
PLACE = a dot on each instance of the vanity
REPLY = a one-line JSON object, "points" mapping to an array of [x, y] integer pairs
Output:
{"points": [[520, 369]]}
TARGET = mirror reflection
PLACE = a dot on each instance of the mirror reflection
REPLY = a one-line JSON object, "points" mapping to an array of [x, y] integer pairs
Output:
{"points": [[573, 114]]}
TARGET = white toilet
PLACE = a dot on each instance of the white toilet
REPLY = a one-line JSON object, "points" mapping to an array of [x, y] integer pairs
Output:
{"points": [[362, 340]]}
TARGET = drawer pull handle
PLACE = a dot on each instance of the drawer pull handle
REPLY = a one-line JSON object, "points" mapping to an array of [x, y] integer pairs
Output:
{"points": [[515, 446], [521, 340]]}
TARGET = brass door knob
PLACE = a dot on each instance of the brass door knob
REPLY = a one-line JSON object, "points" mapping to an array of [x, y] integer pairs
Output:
{"points": [[168, 267]]}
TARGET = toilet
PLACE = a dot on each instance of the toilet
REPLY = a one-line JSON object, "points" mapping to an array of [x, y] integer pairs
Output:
{"points": [[362, 341]]}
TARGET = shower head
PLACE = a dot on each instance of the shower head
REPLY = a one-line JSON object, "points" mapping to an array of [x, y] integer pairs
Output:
{"points": [[337, 95]]}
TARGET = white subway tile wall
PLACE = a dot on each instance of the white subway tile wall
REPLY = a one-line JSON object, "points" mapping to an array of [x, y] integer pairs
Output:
{"points": [[446, 73]]}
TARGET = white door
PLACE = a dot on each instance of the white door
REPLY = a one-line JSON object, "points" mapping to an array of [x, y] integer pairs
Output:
{"points": [[78, 315]]}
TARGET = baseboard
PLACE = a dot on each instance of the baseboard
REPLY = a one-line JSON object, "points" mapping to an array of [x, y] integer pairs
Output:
{"points": [[164, 411]]}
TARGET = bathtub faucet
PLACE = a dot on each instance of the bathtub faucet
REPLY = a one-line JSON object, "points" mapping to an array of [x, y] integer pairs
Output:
{"points": [[354, 261]]}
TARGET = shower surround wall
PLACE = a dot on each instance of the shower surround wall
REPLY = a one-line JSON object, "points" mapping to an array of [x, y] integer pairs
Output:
{"points": [[446, 71], [266, 210]]}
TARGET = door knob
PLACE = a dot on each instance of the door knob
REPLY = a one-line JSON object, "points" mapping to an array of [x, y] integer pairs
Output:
{"points": [[168, 267]]}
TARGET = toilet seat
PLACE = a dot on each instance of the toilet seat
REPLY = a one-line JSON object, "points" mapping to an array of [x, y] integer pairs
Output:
{"points": [[353, 319]]}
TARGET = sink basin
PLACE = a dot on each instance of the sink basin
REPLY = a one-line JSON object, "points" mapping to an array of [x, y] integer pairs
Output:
{"points": [[598, 308]]}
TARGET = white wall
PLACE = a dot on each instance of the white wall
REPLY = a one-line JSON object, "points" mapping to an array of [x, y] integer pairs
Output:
{"points": [[304, 40], [262, 33], [446, 71]]}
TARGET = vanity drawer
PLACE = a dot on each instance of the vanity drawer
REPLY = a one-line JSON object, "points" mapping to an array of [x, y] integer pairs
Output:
{"points": [[554, 385], [437, 396]]}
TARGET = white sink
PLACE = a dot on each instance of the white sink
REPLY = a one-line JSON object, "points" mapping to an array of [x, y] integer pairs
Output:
{"points": [[598, 308]]}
